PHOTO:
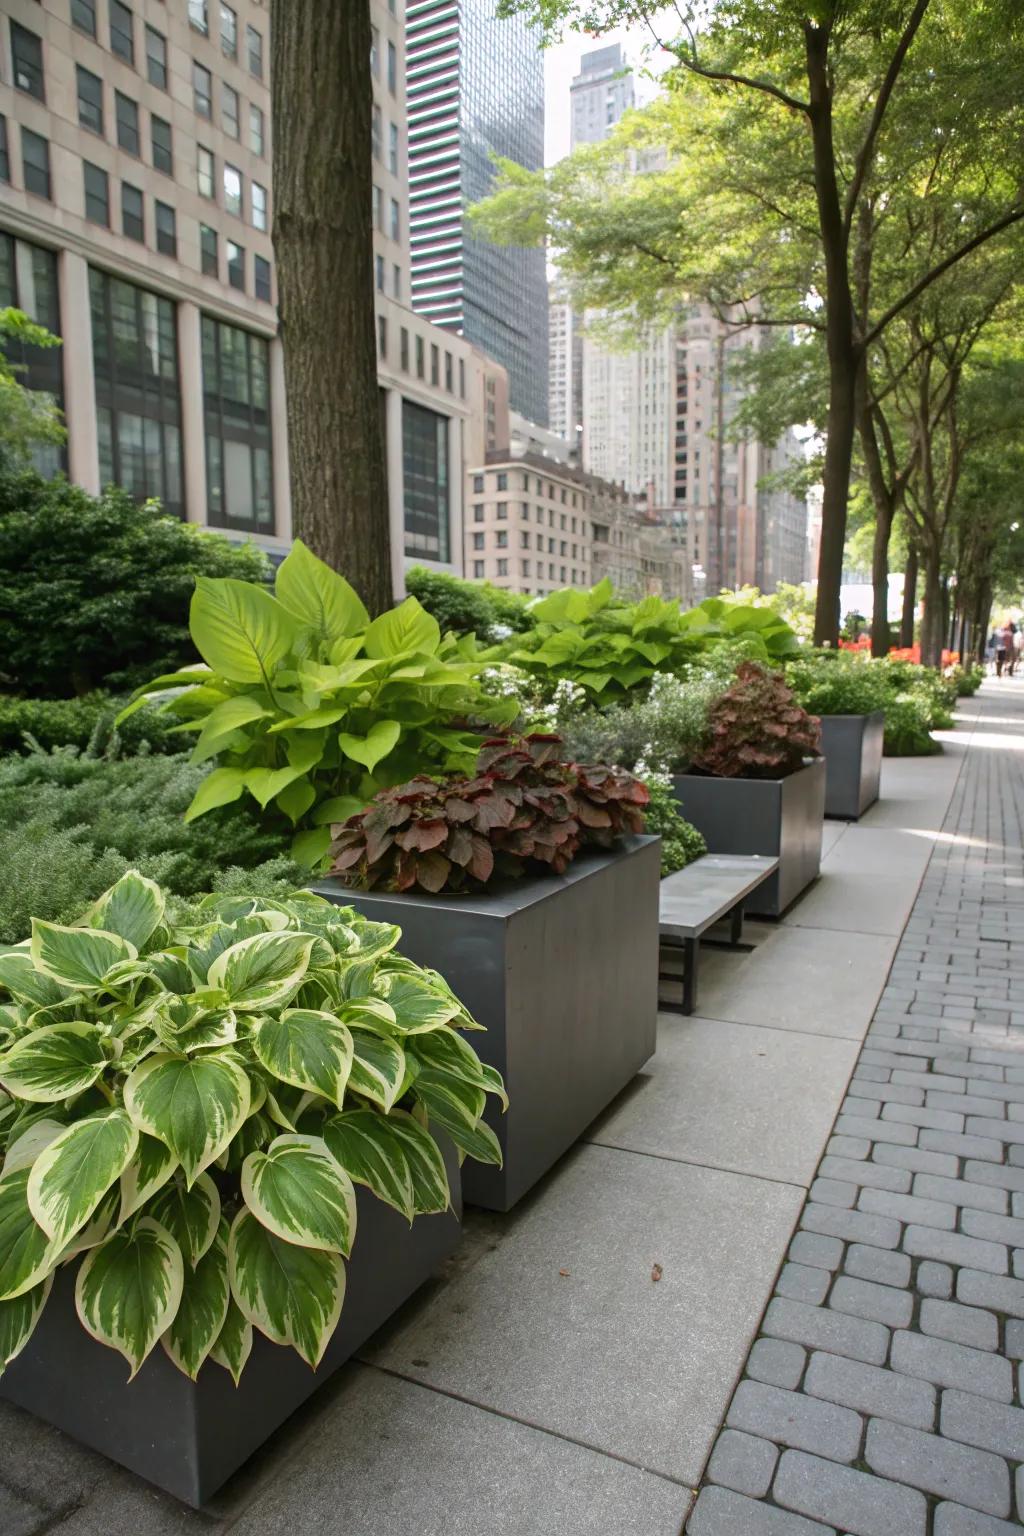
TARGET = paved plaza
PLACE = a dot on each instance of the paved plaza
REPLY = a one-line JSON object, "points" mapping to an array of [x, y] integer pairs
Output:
{"points": [[844, 1295]]}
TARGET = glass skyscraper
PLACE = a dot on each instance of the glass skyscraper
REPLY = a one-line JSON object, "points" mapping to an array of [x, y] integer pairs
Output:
{"points": [[476, 89]]}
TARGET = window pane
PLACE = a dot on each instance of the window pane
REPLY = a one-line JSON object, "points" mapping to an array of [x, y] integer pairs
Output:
{"points": [[393, 148], [392, 68], [233, 190], [166, 230], [254, 48], [90, 99], [202, 90], [83, 16], [127, 114], [256, 130], [425, 465], [132, 214], [208, 250], [205, 168], [5, 154], [199, 17], [259, 206], [236, 265], [156, 58], [238, 449], [122, 31], [163, 155], [27, 61], [228, 32], [261, 269], [97, 194], [229, 110], [377, 129]]}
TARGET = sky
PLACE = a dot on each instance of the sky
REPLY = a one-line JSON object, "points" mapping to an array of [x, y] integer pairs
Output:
{"points": [[562, 63]]}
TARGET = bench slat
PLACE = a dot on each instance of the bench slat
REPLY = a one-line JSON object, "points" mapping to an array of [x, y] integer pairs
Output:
{"points": [[694, 898]]}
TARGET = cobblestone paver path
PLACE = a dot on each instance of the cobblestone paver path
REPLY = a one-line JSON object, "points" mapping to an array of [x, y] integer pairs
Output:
{"points": [[882, 1397]]}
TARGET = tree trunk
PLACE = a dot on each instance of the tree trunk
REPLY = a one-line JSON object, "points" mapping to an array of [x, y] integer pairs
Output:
{"points": [[322, 102], [933, 631], [909, 599], [880, 637]]}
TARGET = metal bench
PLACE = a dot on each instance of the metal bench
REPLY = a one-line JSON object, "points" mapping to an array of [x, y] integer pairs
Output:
{"points": [[698, 896]]}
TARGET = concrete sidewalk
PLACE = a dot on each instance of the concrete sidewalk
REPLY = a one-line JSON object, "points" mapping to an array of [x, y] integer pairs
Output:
{"points": [[571, 1371]]}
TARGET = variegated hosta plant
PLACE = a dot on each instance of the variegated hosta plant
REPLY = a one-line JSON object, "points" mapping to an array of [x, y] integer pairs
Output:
{"points": [[187, 1103]]}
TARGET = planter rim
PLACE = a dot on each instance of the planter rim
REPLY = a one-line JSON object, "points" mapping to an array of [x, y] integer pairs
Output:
{"points": [[865, 714], [511, 896], [740, 778]]}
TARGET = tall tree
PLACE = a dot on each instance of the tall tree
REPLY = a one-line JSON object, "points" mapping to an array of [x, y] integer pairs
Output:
{"points": [[777, 124], [322, 102]]}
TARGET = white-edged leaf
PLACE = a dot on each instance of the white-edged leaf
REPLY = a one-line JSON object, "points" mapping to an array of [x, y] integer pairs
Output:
{"points": [[361, 1142], [444, 1050], [317, 596], [149, 1169], [77, 957], [194, 1105], [307, 1048], [133, 908], [26, 1147], [191, 1215], [378, 1067], [234, 1342], [128, 1289], [430, 1191], [202, 1310], [69, 1179], [103, 1220], [27, 985], [26, 1253], [416, 1004], [18, 1318], [54, 1062], [299, 1191], [262, 971], [293, 1295]]}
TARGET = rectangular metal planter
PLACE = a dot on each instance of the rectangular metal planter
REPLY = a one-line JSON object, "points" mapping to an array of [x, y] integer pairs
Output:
{"points": [[782, 818], [852, 745], [188, 1437], [562, 970]]}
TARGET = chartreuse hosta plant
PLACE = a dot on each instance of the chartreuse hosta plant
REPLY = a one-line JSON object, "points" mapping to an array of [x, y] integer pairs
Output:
{"points": [[187, 1105], [310, 707]]}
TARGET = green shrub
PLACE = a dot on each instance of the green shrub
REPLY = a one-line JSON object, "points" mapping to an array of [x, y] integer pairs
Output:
{"points": [[86, 723], [662, 731], [467, 607], [908, 727], [837, 685], [967, 683], [94, 590], [681, 843]]}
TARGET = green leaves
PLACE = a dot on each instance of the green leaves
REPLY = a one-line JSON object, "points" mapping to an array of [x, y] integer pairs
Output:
{"points": [[362, 1142], [317, 596], [191, 1216], [203, 1310], [133, 908], [193, 1106], [129, 1288], [263, 971], [76, 957], [298, 1190], [18, 1319], [50, 1064], [406, 628], [71, 1176], [239, 630], [369, 749], [234, 1342], [430, 1190], [307, 1048], [26, 1253], [291, 1294]]}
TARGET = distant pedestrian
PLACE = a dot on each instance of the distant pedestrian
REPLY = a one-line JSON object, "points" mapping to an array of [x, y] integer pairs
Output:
{"points": [[1004, 648], [990, 649]]}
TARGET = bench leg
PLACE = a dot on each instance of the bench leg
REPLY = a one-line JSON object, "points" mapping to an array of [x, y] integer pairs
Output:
{"points": [[691, 952], [736, 924]]}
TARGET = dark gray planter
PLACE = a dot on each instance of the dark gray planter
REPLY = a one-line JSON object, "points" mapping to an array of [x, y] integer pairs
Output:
{"points": [[562, 970], [852, 745], [188, 1437], [779, 817]]}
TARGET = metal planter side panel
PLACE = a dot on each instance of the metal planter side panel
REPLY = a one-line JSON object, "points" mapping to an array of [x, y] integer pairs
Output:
{"points": [[852, 745], [780, 818], [562, 971], [189, 1437]]}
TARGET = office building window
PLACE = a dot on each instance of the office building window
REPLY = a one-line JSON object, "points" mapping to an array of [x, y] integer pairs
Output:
{"points": [[27, 61], [205, 169], [262, 282], [396, 220], [420, 358], [478, 514], [378, 270], [435, 364], [233, 190], [256, 143], [375, 52], [198, 15], [5, 154], [378, 199], [202, 90], [525, 566], [90, 99], [133, 223], [97, 194], [163, 153], [478, 485], [228, 32], [448, 378], [462, 378], [236, 266], [376, 132], [208, 256], [229, 110], [404, 350], [392, 69], [382, 336], [236, 401], [393, 148], [28, 281], [425, 466], [156, 58], [254, 51], [503, 510], [396, 280], [502, 538], [478, 569], [259, 206], [138, 408], [502, 567], [122, 31], [524, 538], [126, 112], [83, 16], [35, 163], [502, 480], [478, 541], [166, 230]]}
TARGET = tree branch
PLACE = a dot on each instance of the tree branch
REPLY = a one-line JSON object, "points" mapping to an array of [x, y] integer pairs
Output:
{"points": [[728, 78], [867, 149]]}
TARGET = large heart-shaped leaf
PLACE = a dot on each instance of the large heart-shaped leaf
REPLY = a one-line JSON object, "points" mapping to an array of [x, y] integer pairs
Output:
{"points": [[52, 1063], [318, 596], [430, 1192], [193, 1105], [224, 719], [308, 1049], [27, 985], [191, 1215], [149, 1169], [18, 1318], [406, 628], [375, 745], [129, 1288], [77, 957], [417, 1006], [239, 629], [203, 1309], [298, 1190], [234, 1342], [378, 1067], [70, 1178], [133, 908], [263, 971], [293, 1295], [362, 1143], [221, 787], [26, 1253]]}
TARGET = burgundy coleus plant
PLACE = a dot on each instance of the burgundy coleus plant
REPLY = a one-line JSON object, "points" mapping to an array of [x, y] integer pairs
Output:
{"points": [[757, 730], [524, 806]]}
